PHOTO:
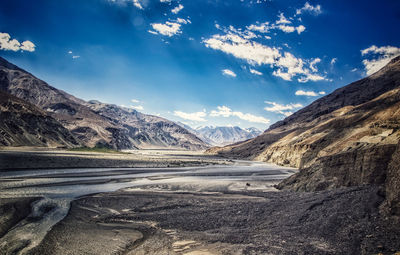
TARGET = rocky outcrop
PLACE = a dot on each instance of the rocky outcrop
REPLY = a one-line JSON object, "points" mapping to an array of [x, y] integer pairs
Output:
{"points": [[352, 168], [23, 124], [347, 138], [392, 187], [94, 123]]}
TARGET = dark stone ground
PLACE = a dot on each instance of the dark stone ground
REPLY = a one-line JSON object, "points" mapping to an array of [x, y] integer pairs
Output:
{"points": [[344, 221]]}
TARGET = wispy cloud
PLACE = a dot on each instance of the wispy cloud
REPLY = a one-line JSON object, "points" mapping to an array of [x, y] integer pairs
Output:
{"points": [[135, 101], [177, 9], [168, 28], [316, 10], [282, 109], [228, 72], [194, 116], [6, 43], [138, 107], [253, 71], [224, 111], [378, 57], [309, 93], [137, 4], [286, 65]]}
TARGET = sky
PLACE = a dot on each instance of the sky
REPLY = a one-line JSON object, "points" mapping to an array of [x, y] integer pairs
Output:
{"points": [[246, 63]]}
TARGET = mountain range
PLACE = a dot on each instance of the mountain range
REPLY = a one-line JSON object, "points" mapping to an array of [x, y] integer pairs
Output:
{"points": [[220, 136], [347, 138], [76, 122]]}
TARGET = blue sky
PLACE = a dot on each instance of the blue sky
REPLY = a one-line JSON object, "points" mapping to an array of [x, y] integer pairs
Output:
{"points": [[237, 62]]}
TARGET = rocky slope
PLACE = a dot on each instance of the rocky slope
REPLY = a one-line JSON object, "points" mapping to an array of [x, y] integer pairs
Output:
{"points": [[343, 139], [24, 124], [220, 136], [92, 124], [147, 131]]}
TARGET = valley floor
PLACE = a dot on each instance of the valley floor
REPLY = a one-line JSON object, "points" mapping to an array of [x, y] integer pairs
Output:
{"points": [[43, 158], [232, 208]]}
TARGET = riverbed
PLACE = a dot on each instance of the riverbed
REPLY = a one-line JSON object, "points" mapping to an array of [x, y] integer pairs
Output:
{"points": [[57, 188]]}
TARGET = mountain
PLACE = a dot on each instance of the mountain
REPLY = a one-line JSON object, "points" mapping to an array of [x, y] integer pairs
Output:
{"points": [[94, 123], [346, 138], [220, 136], [24, 124]]}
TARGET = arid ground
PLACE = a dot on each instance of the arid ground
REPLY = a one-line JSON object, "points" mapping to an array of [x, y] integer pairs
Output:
{"points": [[172, 202]]}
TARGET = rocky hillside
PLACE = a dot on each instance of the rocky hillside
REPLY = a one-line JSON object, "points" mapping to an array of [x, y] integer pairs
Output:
{"points": [[24, 124], [343, 139], [220, 136], [147, 131], [96, 124]]}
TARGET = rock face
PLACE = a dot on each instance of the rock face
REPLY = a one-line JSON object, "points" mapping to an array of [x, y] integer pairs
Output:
{"points": [[343, 139], [392, 205], [220, 136], [146, 131], [24, 124], [96, 123]]}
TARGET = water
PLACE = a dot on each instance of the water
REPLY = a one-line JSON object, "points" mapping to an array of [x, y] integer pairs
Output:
{"points": [[58, 187]]}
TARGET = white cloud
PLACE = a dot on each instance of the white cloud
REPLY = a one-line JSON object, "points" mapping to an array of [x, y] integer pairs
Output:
{"points": [[74, 57], [226, 112], [195, 116], [240, 44], [177, 9], [316, 10], [311, 77], [253, 71], [137, 4], [262, 28], [313, 63], [183, 21], [165, 1], [309, 93], [283, 19], [6, 43], [282, 109], [286, 29], [333, 61], [252, 52], [70, 52], [28, 46], [300, 29], [137, 107], [135, 101], [167, 29], [378, 57], [306, 93], [228, 72]]}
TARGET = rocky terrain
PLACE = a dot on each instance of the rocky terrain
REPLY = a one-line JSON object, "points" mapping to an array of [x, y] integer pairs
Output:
{"points": [[220, 136], [143, 222], [346, 138], [94, 123], [25, 124]]}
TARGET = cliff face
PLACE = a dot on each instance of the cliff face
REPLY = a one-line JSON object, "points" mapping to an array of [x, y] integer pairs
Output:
{"points": [[96, 123], [23, 124], [346, 138], [392, 203]]}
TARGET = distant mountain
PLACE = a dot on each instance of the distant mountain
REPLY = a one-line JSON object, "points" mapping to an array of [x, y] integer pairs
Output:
{"points": [[346, 138], [220, 136], [23, 124], [94, 123]]}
